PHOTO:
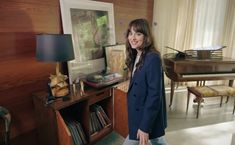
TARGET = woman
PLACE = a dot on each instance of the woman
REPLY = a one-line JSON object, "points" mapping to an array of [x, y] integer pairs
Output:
{"points": [[146, 94]]}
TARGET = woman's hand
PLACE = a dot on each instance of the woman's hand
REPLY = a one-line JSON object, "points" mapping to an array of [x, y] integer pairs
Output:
{"points": [[143, 137]]}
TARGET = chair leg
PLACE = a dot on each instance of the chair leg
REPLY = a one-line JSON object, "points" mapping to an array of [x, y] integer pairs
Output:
{"points": [[198, 108], [234, 106], [188, 98], [204, 83], [221, 100], [227, 99]]}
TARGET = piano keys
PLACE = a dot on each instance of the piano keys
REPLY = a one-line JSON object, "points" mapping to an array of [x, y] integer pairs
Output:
{"points": [[183, 70]]}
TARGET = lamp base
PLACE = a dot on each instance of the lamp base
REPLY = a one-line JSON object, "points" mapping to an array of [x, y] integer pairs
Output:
{"points": [[60, 92], [51, 99], [58, 84]]}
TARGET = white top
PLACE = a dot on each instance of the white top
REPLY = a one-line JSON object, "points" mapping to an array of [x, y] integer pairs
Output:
{"points": [[136, 61]]}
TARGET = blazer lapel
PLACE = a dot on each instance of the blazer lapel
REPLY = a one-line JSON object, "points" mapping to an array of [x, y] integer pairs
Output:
{"points": [[131, 82]]}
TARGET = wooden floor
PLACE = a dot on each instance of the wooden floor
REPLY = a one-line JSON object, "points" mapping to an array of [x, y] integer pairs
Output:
{"points": [[215, 125]]}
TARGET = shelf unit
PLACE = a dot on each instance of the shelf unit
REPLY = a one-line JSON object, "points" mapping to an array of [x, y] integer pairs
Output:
{"points": [[51, 119]]}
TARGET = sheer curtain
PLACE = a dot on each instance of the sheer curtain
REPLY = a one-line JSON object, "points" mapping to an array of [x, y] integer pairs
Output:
{"points": [[189, 24], [209, 25], [229, 33], [173, 23], [209, 21]]}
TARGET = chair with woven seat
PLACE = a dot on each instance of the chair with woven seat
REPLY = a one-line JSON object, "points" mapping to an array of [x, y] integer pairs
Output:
{"points": [[225, 91], [209, 91], [4, 113]]}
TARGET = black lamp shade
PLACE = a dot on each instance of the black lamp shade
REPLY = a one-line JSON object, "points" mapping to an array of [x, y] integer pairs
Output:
{"points": [[54, 47]]}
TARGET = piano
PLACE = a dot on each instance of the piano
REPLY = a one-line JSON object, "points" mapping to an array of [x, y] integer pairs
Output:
{"points": [[183, 70]]}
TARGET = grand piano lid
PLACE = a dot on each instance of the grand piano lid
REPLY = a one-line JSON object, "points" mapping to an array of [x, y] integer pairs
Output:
{"points": [[202, 53], [179, 55]]}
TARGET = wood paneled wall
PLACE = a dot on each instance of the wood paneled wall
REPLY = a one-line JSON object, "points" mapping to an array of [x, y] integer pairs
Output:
{"points": [[127, 10], [21, 74]]}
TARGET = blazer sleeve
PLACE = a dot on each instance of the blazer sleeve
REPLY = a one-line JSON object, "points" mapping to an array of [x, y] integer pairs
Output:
{"points": [[154, 87]]}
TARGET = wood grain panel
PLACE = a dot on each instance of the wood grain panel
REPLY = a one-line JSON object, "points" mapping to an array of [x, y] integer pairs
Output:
{"points": [[41, 2], [46, 122], [28, 17], [127, 10], [17, 44], [120, 112], [28, 138], [18, 101], [28, 72], [63, 132], [21, 74]]}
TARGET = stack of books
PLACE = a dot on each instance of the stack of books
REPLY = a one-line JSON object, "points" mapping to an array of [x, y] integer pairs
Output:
{"points": [[98, 119], [76, 131]]}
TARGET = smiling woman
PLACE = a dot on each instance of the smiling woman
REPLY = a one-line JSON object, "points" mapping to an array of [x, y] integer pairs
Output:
{"points": [[146, 94], [135, 38]]}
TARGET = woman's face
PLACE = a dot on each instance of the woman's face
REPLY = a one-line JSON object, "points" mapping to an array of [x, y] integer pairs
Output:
{"points": [[135, 39]]}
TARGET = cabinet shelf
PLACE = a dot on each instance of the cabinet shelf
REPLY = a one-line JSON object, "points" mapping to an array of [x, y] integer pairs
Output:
{"points": [[100, 134], [52, 120]]}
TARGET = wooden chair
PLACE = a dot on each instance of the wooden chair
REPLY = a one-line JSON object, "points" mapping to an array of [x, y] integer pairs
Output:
{"points": [[4, 113]]}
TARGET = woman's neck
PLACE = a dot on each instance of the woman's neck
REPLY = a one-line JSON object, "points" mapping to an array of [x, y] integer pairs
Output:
{"points": [[138, 52]]}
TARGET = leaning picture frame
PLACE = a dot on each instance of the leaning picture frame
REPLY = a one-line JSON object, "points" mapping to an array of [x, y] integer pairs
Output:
{"points": [[91, 25], [115, 59]]}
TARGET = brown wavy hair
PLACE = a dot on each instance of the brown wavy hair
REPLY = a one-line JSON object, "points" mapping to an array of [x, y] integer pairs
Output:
{"points": [[141, 26]]}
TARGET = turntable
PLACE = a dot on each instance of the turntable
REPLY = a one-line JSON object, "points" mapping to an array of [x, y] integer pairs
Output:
{"points": [[103, 80]]}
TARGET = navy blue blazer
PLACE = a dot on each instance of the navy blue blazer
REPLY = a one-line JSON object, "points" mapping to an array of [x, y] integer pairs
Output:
{"points": [[146, 99]]}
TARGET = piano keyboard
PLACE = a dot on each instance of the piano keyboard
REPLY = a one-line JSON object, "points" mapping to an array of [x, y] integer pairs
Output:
{"points": [[209, 75]]}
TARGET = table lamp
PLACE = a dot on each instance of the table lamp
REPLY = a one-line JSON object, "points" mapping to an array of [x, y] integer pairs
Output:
{"points": [[55, 48]]}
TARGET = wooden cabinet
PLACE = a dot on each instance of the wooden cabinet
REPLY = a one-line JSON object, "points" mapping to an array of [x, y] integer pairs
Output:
{"points": [[52, 119], [120, 115], [120, 109]]}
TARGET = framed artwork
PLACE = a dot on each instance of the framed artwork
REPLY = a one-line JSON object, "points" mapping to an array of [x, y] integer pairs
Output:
{"points": [[91, 24], [115, 58]]}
